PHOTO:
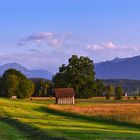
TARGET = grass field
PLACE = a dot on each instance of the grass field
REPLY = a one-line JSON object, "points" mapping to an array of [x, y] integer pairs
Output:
{"points": [[123, 111], [94, 119]]}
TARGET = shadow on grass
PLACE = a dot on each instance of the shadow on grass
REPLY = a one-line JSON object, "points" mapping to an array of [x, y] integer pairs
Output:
{"points": [[30, 132], [88, 118]]}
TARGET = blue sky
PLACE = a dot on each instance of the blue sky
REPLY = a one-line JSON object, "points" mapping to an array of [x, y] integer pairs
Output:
{"points": [[43, 34]]}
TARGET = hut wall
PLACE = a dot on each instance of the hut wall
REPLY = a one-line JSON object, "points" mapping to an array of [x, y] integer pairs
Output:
{"points": [[73, 100], [65, 100]]}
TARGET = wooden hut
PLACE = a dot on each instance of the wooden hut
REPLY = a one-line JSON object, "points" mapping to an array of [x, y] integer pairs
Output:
{"points": [[65, 95]]}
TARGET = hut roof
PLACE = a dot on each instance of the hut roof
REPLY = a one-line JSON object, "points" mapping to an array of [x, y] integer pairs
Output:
{"points": [[64, 92]]}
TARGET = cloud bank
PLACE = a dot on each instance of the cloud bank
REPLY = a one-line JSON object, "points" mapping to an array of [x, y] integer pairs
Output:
{"points": [[110, 46], [71, 41], [48, 50]]}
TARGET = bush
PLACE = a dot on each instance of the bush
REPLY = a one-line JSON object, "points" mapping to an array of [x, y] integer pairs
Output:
{"points": [[107, 96], [128, 97], [135, 97]]}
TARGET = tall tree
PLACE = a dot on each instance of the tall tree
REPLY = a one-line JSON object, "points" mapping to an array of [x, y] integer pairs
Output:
{"points": [[99, 87], [79, 74], [118, 92], [10, 83], [25, 89], [109, 91]]}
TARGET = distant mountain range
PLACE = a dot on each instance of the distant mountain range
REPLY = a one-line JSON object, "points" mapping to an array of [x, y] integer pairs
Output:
{"points": [[34, 73], [119, 68]]}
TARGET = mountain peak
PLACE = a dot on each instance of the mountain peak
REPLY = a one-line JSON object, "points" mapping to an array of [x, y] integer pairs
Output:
{"points": [[117, 59], [14, 65], [34, 73], [119, 68]]}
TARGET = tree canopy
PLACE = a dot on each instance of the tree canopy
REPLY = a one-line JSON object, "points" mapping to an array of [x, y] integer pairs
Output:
{"points": [[79, 74], [14, 83]]}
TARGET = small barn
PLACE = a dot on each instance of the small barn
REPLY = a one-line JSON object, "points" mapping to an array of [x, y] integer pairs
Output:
{"points": [[65, 95]]}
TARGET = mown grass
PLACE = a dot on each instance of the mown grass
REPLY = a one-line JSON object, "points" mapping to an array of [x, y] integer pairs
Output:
{"points": [[34, 120]]}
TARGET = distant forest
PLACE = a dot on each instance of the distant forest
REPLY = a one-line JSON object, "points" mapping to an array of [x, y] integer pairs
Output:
{"points": [[132, 87]]}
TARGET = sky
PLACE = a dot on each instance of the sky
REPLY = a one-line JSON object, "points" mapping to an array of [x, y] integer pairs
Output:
{"points": [[43, 34]]}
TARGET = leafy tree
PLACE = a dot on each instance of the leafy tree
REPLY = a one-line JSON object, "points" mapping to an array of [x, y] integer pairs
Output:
{"points": [[99, 87], [79, 74], [118, 93], [109, 91], [15, 83], [10, 83], [25, 89], [13, 72]]}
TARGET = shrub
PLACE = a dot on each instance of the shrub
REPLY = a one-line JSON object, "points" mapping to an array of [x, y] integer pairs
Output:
{"points": [[135, 97], [107, 96], [128, 98]]}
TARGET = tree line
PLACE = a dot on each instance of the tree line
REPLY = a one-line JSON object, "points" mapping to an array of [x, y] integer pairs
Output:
{"points": [[78, 73], [132, 87], [14, 83]]}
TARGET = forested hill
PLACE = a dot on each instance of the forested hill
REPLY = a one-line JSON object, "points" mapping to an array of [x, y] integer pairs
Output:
{"points": [[119, 68]]}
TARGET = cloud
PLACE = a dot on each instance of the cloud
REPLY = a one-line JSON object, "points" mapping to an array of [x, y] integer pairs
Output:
{"points": [[50, 38], [54, 42], [110, 45], [135, 48], [94, 47], [33, 50], [103, 46]]}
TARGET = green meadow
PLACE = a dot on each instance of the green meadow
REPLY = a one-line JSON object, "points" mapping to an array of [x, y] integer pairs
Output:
{"points": [[34, 120]]}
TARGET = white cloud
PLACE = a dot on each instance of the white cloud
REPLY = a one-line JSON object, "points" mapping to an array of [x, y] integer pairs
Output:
{"points": [[102, 46], [51, 39], [94, 47], [135, 49], [54, 42], [110, 45]]}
